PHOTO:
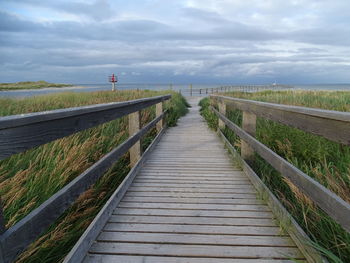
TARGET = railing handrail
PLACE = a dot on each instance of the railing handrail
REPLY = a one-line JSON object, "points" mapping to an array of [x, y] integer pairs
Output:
{"points": [[333, 125], [25, 131], [20, 235], [328, 114], [31, 118], [327, 200]]}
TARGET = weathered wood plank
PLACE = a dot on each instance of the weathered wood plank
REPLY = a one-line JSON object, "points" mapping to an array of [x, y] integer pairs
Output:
{"points": [[187, 200], [195, 250], [217, 207], [193, 186], [193, 212], [333, 125], [162, 238], [80, 249], [192, 220], [19, 236], [195, 229], [21, 132], [93, 258], [190, 190], [332, 204], [194, 195]]}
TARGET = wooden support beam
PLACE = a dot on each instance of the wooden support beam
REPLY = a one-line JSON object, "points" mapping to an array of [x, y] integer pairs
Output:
{"points": [[222, 110], [159, 111], [134, 127], [248, 125]]}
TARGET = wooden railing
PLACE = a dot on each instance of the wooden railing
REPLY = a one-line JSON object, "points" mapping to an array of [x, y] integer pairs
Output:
{"points": [[332, 125], [22, 132], [243, 88]]}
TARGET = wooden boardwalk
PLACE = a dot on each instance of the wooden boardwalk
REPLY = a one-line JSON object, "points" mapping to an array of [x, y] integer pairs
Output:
{"points": [[190, 204]]}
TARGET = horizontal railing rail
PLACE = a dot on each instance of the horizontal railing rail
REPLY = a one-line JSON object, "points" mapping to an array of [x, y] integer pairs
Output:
{"points": [[22, 132], [15, 239], [243, 88], [328, 201], [333, 125]]}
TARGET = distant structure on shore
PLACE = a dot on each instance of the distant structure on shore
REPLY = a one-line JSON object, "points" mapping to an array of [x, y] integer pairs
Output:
{"points": [[113, 79]]}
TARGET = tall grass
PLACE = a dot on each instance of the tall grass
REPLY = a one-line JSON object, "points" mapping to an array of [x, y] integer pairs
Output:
{"points": [[325, 161], [28, 179]]}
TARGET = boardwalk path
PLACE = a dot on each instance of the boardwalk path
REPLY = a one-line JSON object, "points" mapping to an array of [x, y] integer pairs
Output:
{"points": [[190, 204]]}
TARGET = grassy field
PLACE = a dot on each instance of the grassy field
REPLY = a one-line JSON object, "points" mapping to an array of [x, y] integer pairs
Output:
{"points": [[31, 85], [327, 162], [28, 179]]}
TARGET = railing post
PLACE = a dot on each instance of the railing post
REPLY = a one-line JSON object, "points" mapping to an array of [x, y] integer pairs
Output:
{"points": [[206, 91], [191, 89], [222, 110], [134, 127], [249, 125], [159, 111]]}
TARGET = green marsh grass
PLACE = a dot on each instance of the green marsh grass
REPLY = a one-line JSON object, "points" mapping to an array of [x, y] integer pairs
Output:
{"points": [[28, 179], [325, 161], [31, 85]]}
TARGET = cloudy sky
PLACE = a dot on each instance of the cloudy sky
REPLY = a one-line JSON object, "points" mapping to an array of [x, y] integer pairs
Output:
{"points": [[178, 41]]}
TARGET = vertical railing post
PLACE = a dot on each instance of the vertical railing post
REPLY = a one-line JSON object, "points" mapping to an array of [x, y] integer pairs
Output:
{"points": [[159, 111], [134, 127], [191, 89], [222, 110], [206, 91], [249, 125]]}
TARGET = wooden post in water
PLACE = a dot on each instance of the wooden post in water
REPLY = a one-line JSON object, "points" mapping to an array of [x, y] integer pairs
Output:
{"points": [[134, 127], [159, 111], [222, 110], [249, 125]]}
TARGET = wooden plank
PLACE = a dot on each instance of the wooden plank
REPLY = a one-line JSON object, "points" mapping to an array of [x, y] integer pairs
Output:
{"points": [[216, 207], [193, 212], [333, 125], [195, 239], [195, 229], [192, 220], [80, 249], [19, 236], [291, 226], [195, 250], [332, 204], [160, 180], [240, 201], [193, 186], [25, 131], [217, 179], [134, 127], [190, 190], [194, 195], [93, 258]]}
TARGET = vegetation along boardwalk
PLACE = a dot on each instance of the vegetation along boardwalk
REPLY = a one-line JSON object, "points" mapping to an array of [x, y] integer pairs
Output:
{"points": [[189, 203]]}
